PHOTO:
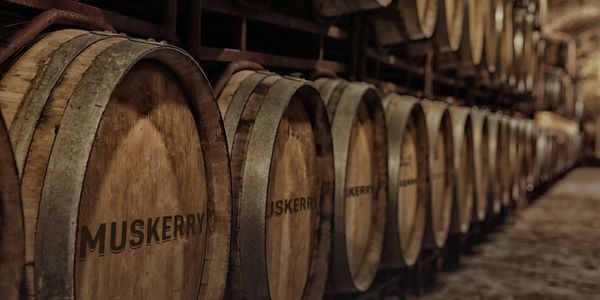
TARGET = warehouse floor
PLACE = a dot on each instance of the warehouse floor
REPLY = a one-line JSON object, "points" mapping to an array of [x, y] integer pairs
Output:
{"points": [[550, 250]]}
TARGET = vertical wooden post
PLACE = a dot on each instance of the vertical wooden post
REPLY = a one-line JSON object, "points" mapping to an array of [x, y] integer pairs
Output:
{"points": [[428, 76], [170, 18], [195, 27]]}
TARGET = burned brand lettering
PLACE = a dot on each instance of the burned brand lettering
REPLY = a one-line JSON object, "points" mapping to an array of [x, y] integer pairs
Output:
{"points": [[406, 160], [407, 182], [136, 233], [357, 191], [289, 206]]}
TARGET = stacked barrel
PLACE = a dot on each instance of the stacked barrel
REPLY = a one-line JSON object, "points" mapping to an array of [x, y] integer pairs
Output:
{"points": [[126, 176]]}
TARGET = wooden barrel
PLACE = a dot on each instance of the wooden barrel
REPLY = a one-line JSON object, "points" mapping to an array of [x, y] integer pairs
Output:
{"points": [[497, 158], [441, 174], [516, 79], [532, 38], [519, 170], [540, 81], [464, 193], [113, 138], [505, 63], [360, 145], [474, 31], [470, 51], [12, 243], [561, 52], [563, 152], [282, 169], [569, 101], [525, 51], [508, 155], [336, 8], [481, 161], [553, 89], [405, 20], [553, 155], [450, 25], [407, 182], [540, 12], [531, 155], [494, 18], [544, 149]]}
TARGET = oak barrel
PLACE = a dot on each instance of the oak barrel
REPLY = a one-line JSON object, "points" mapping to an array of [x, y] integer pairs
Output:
{"points": [[282, 169], [407, 182], [520, 167], [450, 25], [508, 152], [12, 244], [462, 141], [470, 51], [119, 145], [481, 161], [360, 145], [545, 155], [497, 158], [405, 20], [505, 62], [517, 76], [540, 86], [530, 52], [494, 18], [553, 89], [441, 174], [514, 163], [530, 154], [474, 31]]}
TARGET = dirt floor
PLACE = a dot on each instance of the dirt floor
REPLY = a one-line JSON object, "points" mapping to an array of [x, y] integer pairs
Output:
{"points": [[550, 250]]}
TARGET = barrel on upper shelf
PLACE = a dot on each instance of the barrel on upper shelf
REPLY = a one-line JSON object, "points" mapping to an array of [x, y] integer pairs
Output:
{"points": [[481, 162], [525, 51], [540, 80], [506, 46], [359, 136], [516, 79], [12, 243], [561, 52], [450, 25], [441, 174], [405, 20], [123, 163], [409, 190], [553, 89], [463, 160], [469, 54], [282, 168], [493, 22]]}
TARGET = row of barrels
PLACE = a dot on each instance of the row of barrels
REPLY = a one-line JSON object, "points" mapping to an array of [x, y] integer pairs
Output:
{"points": [[131, 179], [499, 41]]}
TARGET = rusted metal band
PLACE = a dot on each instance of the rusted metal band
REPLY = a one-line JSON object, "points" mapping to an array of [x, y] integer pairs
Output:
{"points": [[33, 102], [402, 110]]}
